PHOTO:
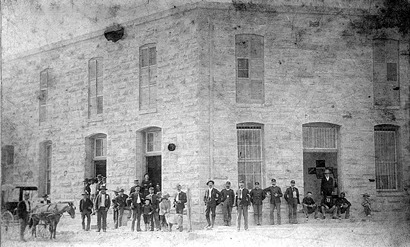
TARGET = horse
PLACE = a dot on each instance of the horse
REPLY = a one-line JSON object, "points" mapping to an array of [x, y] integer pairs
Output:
{"points": [[50, 214]]}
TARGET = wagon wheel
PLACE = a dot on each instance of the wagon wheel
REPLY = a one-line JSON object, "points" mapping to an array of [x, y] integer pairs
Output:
{"points": [[6, 219], [42, 231]]}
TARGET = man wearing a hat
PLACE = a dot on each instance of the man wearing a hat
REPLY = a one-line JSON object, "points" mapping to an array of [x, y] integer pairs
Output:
{"points": [[136, 202], [211, 199], [242, 202], [136, 183], [179, 203], [275, 194], [102, 204], [366, 204], [23, 210], [99, 183], [343, 206], [257, 196], [328, 184], [86, 206], [227, 200], [87, 187], [120, 201], [292, 198]]}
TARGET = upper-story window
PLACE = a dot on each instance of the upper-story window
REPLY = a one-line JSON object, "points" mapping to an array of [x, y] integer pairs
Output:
{"points": [[95, 87], [148, 77], [249, 53], [43, 97], [386, 73]]}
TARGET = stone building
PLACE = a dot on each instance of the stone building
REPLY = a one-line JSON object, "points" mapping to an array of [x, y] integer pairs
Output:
{"points": [[248, 91]]}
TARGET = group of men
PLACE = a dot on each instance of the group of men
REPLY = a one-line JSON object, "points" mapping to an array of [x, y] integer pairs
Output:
{"points": [[243, 199], [141, 196]]}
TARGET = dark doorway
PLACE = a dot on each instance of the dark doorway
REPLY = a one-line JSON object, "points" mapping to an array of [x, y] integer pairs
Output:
{"points": [[314, 165], [100, 167], [154, 169]]}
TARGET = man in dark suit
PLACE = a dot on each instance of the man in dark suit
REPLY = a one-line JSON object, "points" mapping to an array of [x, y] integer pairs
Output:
{"points": [[120, 202], [179, 203], [155, 205], [275, 195], [227, 201], [23, 210], [136, 200], [86, 206], [327, 185], [242, 201], [343, 206], [211, 199], [257, 196], [102, 204], [136, 183], [292, 197]]}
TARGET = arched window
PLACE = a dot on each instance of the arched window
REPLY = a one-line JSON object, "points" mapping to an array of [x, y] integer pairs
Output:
{"points": [[250, 153], [386, 157]]}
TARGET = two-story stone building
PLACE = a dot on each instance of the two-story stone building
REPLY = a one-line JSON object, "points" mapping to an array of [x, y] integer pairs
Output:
{"points": [[248, 91]]}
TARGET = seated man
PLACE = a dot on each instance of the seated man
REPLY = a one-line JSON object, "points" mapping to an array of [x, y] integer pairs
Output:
{"points": [[343, 206], [328, 206], [309, 205]]}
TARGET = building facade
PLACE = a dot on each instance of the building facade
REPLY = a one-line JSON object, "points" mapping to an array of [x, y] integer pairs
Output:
{"points": [[244, 92]]}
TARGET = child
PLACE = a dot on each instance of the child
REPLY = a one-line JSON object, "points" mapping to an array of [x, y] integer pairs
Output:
{"points": [[366, 204], [164, 209], [147, 210]]}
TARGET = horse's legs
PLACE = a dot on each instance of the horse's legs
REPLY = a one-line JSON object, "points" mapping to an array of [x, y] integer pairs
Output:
{"points": [[50, 228], [55, 226]]}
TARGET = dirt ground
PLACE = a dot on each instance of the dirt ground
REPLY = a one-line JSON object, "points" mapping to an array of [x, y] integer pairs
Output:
{"points": [[354, 232]]}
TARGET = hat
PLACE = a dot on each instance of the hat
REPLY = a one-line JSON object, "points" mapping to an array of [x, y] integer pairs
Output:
{"points": [[99, 176], [292, 181], [342, 193], [366, 195], [273, 180], [45, 195], [103, 188], [327, 171], [309, 192], [136, 180], [210, 181], [241, 181], [121, 190], [85, 180], [85, 193], [147, 199], [227, 182], [256, 183], [26, 193], [166, 195]]}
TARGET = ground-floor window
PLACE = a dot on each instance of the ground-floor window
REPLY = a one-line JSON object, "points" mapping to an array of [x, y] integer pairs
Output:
{"points": [[385, 141], [250, 156]]}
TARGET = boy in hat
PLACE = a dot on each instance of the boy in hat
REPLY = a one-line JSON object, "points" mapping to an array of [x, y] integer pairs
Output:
{"points": [[242, 201], [292, 197], [257, 196], [227, 200], [275, 195], [164, 209], [179, 203], [309, 205], [102, 204], [121, 202], [366, 204], [211, 199], [343, 206], [147, 211], [86, 206]]}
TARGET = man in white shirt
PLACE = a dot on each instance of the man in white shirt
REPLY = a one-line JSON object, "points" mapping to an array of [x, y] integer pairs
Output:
{"points": [[211, 199], [102, 204]]}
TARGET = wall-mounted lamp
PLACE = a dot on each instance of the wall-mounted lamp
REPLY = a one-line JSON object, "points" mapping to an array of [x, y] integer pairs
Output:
{"points": [[171, 147]]}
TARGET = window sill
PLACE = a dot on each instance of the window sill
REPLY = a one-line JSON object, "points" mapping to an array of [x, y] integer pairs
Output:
{"points": [[378, 107], [98, 118], [250, 105], [147, 111], [391, 193]]}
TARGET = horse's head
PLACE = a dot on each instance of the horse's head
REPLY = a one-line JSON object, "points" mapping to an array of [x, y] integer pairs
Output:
{"points": [[71, 209]]}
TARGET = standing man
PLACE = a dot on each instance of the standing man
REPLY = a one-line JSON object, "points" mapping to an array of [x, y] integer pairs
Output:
{"points": [[99, 184], [275, 195], [121, 201], [87, 188], [227, 201], [23, 210], [179, 204], [328, 185], [155, 206], [257, 196], [102, 204], [86, 206], [115, 209], [292, 197], [211, 199], [242, 201], [136, 199]]}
